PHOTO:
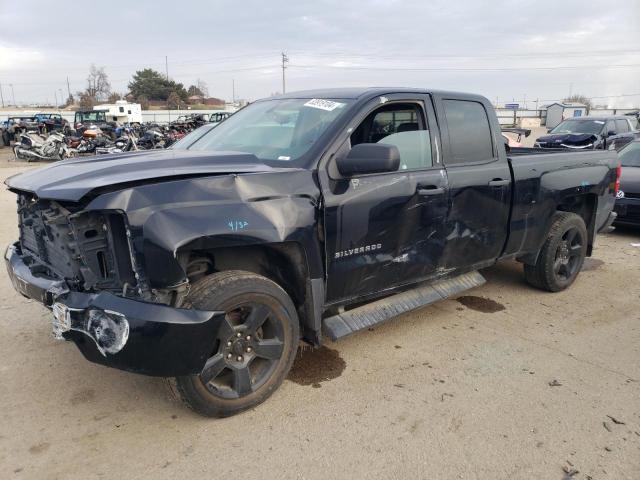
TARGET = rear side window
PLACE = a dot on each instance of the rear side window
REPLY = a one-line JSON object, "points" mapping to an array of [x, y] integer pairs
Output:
{"points": [[622, 126], [469, 132]]}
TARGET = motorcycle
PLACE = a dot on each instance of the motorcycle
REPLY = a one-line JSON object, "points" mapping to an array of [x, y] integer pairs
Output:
{"points": [[34, 147], [151, 139], [124, 143]]}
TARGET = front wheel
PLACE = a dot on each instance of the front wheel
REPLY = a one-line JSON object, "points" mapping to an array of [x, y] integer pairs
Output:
{"points": [[254, 349], [562, 255]]}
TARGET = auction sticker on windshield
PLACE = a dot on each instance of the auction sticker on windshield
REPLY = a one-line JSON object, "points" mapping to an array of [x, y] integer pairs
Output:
{"points": [[327, 105]]}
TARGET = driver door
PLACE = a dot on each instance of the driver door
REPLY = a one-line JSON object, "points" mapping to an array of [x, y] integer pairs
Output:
{"points": [[386, 229]]}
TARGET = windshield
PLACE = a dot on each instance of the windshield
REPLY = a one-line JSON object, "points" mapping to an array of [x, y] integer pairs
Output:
{"points": [[90, 117], [279, 130], [185, 142], [630, 155], [592, 127]]}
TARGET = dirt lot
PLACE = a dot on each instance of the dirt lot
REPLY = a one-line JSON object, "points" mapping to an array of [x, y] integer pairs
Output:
{"points": [[503, 383]]}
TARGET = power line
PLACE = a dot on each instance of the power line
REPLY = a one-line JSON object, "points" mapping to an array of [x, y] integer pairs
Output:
{"points": [[460, 69], [615, 52], [230, 70]]}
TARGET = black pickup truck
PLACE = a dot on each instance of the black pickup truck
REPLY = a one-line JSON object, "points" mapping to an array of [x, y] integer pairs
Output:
{"points": [[314, 212]]}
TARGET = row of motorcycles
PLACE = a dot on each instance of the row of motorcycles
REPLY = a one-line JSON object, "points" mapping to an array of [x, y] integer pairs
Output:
{"points": [[93, 141]]}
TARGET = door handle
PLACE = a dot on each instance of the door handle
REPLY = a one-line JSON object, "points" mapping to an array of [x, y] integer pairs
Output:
{"points": [[427, 190], [498, 182]]}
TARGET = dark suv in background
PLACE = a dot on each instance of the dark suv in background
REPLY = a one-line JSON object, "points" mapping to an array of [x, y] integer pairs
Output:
{"points": [[590, 133]]}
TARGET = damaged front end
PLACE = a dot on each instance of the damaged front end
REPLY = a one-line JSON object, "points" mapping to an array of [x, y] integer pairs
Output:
{"points": [[574, 141], [83, 266]]}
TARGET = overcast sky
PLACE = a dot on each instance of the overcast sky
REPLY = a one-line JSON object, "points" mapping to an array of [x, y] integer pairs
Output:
{"points": [[506, 49]]}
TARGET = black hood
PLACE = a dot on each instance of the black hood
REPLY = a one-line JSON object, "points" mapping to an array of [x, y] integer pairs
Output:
{"points": [[574, 139], [630, 179], [72, 179]]}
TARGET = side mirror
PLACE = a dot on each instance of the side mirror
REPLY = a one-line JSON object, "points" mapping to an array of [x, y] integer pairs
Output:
{"points": [[369, 158], [610, 133]]}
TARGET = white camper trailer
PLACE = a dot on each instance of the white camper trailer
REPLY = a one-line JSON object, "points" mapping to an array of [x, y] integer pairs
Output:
{"points": [[122, 112]]}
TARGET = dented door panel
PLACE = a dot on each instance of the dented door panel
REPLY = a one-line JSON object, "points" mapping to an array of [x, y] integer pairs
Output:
{"points": [[380, 232]]}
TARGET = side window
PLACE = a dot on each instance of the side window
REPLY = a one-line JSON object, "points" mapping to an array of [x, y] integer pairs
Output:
{"points": [[469, 131], [622, 126], [402, 125], [610, 127]]}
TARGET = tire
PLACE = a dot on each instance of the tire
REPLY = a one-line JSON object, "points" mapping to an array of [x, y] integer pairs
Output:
{"points": [[5, 139], [562, 255], [251, 358]]}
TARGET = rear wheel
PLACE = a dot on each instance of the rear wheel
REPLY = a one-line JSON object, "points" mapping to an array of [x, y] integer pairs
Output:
{"points": [[255, 348], [562, 254]]}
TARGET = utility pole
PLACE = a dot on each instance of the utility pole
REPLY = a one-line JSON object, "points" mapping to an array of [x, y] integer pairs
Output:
{"points": [[68, 88], [285, 60], [1, 96], [525, 101], [13, 95], [570, 89], [55, 98], [233, 91], [166, 66]]}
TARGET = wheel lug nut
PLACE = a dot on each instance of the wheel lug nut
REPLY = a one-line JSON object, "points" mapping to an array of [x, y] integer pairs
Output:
{"points": [[238, 334], [248, 349], [248, 337], [229, 355], [228, 343], [239, 358]]}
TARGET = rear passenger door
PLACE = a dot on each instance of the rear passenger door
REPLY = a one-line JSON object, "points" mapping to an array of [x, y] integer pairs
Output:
{"points": [[479, 183]]}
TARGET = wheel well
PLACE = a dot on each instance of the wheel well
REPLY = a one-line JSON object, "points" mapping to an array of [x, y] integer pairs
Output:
{"points": [[283, 263], [585, 206]]}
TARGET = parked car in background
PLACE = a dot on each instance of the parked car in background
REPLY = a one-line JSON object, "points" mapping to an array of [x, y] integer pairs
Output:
{"points": [[85, 119], [628, 197], [50, 122], [219, 116], [14, 126], [597, 133], [513, 137]]}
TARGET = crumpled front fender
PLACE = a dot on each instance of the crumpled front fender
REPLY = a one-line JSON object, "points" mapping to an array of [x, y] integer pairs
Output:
{"points": [[213, 212]]}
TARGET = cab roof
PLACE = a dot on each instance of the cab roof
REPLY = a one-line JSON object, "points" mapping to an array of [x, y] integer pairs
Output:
{"points": [[358, 93]]}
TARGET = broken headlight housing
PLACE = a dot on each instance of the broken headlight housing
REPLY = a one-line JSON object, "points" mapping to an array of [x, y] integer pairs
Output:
{"points": [[108, 329]]}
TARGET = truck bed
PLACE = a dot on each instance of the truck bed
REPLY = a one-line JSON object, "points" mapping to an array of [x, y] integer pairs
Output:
{"points": [[542, 178]]}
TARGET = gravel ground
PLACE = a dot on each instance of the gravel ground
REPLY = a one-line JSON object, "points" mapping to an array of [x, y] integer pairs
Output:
{"points": [[505, 382]]}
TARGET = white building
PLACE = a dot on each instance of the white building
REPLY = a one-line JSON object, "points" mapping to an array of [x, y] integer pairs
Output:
{"points": [[557, 112]]}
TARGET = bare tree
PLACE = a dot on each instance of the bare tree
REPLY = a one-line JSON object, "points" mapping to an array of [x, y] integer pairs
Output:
{"points": [[85, 100], [98, 86], [114, 97], [577, 98], [174, 100], [203, 87]]}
